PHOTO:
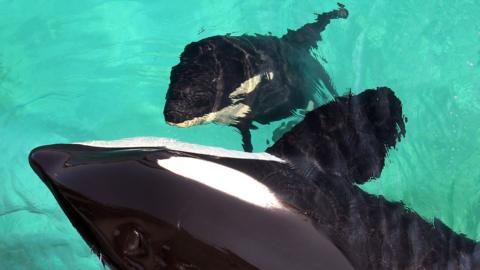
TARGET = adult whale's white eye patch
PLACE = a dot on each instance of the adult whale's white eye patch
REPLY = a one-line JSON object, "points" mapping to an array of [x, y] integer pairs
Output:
{"points": [[222, 178]]}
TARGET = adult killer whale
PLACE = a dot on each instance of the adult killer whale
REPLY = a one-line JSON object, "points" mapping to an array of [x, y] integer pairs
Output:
{"points": [[235, 80], [155, 204]]}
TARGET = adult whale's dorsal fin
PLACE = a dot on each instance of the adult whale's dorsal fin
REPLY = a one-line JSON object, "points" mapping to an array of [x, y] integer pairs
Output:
{"points": [[308, 35]]}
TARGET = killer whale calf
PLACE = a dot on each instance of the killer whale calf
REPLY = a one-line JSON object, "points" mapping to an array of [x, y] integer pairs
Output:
{"points": [[156, 204], [236, 80]]}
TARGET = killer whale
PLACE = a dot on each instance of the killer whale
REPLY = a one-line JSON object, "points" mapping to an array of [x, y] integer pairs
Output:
{"points": [[238, 80], [150, 216], [139, 206]]}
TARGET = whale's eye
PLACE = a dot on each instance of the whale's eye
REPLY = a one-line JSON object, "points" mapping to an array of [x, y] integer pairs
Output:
{"points": [[201, 99], [134, 243]]}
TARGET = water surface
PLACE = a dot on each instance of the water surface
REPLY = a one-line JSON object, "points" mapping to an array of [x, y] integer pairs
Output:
{"points": [[87, 70]]}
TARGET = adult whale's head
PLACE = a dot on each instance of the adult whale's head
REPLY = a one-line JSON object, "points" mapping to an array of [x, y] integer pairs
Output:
{"points": [[212, 76], [160, 208], [133, 213]]}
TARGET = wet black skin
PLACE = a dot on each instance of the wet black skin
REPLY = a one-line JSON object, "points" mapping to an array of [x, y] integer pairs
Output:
{"points": [[212, 68], [140, 216]]}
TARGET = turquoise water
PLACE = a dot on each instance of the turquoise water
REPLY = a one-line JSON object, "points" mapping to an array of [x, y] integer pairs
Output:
{"points": [[99, 70]]}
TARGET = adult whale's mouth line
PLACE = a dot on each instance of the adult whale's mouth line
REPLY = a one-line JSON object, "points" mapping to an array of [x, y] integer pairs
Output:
{"points": [[79, 221], [76, 218]]}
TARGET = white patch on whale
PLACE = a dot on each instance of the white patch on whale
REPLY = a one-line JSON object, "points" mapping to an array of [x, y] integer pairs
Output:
{"points": [[229, 115], [181, 146], [269, 75], [249, 85], [222, 178]]}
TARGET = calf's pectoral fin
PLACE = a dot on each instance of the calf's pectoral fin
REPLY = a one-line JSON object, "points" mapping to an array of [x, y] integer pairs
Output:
{"points": [[244, 128]]}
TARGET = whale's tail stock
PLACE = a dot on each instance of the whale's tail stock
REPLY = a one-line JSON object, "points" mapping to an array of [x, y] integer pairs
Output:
{"points": [[308, 35]]}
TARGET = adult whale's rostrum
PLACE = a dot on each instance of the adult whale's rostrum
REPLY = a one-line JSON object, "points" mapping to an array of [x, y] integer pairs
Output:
{"points": [[236, 80], [157, 204]]}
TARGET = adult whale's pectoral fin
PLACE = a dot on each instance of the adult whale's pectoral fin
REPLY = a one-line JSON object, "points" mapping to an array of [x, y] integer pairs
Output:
{"points": [[244, 128], [308, 35]]}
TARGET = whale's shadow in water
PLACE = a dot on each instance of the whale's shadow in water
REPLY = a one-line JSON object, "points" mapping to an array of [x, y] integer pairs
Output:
{"points": [[238, 80]]}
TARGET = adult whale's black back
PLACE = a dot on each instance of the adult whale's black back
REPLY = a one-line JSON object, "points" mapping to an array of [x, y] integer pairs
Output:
{"points": [[235, 80]]}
